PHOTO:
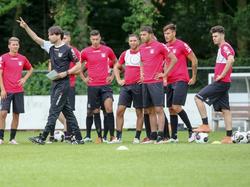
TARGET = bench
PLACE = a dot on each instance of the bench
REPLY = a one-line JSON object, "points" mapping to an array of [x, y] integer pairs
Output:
{"points": [[240, 112]]}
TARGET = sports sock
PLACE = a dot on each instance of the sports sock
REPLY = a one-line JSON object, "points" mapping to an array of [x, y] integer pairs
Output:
{"points": [[229, 132], [184, 117], [147, 125], [118, 134], [12, 134], [1, 134], [98, 127], [111, 123], [89, 123], [138, 134], [166, 129], [106, 128], [174, 123], [205, 121], [153, 135]]}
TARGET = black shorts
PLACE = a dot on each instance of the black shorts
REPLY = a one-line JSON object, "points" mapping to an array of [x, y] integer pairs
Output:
{"points": [[97, 95], [153, 94], [176, 93], [72, 97], [129, 93], [216, 94], [17, 102]]}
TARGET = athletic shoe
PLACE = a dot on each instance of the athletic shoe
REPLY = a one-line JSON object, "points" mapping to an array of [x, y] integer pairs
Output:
{"points": [[172, 140], [51, 140], [227, 140], [104, 140], [202, 128], [136, 141], [160, 140], [13, 142], [191, 137], [87, 139], [115, 141], [77, 142], [37, 140], [98, 140], [147, 141], [1, 142]]}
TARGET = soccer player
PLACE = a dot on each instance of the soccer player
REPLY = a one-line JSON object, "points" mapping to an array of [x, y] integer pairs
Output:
{"points": [[153, 55], [216, 93], [131, 88], [60, 55], [12, 65], [72, 81], [98, 58], [178, 81]]}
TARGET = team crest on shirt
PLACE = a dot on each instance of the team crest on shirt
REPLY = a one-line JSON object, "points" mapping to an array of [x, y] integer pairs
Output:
{"points": [[103, 55], [174, 51], [60, 54], [152, 51], [20, 63]]}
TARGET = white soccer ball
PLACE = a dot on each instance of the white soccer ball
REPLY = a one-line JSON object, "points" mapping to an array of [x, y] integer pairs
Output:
{"points": [[201, 137], [248, 136], [240, 137], [59, 136]]}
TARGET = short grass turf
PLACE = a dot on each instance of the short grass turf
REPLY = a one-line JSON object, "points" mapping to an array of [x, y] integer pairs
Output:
{"points": [[182, 164]]}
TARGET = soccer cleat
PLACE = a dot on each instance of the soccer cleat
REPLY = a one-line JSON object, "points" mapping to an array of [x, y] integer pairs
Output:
{"points": [[37, 140], [13, 142], [160, 140], [115, 141], [1, 141], [146, 140], [77, 142], [51, 140], [136, 141], [104, 140], [98, 140], [227, 140], [172, 140], [191, 137], [203, 128], [87, 139]]}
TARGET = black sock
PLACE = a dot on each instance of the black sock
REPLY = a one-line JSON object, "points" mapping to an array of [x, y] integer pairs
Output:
{"points": [[166, 129], [89, 123], [12, 134], [229, 133], [138, 134], [153, 135], [147, 125], [184, 117], [111, 123], [1, 134], [160, 133], [106, 128], [205, 121], [174, 123], [118, 134], [98, 126], [44, 135]]}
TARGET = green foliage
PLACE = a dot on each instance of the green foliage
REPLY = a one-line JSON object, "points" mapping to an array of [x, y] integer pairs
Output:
{"points": [[143, 12], [7, 5]]}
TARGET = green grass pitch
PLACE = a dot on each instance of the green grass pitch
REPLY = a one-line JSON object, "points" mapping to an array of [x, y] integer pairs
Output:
{"points": [[182, 164]]}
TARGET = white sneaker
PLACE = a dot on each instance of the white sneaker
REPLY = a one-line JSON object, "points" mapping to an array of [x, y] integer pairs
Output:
{"points": [[87, 139], [115, 141], [191, 137], [1, 142], [13, 142], [136, 141], [172, 140]]}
